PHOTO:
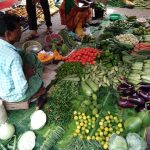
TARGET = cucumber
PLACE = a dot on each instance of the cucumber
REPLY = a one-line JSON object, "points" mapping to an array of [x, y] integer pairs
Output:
{"points": [[92, 85], [86, 89]]}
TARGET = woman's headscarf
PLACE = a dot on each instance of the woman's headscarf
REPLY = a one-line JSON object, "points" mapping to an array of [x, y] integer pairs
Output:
{"points": [[69, 4]]}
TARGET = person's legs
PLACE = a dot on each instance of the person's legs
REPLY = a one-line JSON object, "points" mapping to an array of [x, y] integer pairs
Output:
{"points": [[31, 10], [46, 11]]}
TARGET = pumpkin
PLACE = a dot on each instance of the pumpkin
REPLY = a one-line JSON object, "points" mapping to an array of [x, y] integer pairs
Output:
{"points": [[44, 57]]}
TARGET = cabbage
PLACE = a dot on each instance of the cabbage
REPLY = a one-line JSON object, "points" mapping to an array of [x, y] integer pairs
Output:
{"points": [[38, 120], [27, 141], [135, 142], [117, 143], [6, 131]]}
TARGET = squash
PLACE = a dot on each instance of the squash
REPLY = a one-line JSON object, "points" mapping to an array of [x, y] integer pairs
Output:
{"points": [[92, 85], [133, 124], [86, 89], [145, 117]]}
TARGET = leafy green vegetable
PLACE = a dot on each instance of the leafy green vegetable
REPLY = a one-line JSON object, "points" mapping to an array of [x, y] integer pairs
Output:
{"points": [[69, 69], [78, 144], [135, 142], [117, 142], [59, 107]]}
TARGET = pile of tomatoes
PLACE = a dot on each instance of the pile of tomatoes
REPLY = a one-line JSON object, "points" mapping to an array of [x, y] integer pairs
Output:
{"points": [[84, 55]]}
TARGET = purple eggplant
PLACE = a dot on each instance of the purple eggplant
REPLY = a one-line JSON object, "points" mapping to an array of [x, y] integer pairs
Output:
{"points": [[145, 87], [145, 95], [123, 102], [137, 100]]}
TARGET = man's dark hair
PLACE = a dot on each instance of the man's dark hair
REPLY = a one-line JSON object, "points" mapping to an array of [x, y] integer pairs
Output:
{"points": [[8, 22]]}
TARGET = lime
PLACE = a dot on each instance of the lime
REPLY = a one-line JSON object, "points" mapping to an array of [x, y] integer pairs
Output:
{"points": [[75, 117]]}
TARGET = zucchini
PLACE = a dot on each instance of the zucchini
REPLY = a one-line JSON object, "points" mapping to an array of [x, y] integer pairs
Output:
{"points": [[86, 89], [92, 85]]}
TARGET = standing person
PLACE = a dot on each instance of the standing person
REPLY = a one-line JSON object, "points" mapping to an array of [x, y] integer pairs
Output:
{"points": [[75, 17], [20, 75], [31, 10]]}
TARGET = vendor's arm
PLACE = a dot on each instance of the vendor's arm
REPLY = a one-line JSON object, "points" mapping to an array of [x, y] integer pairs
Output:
{"points": [[18, 75]]}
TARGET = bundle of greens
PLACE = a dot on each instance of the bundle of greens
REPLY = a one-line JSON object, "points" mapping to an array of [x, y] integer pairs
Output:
{"points": [[59, 107], [69, 69]]}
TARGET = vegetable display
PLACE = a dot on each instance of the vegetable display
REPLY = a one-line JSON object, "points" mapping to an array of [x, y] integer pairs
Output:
{"points": [[127, 39], [84, 55]]}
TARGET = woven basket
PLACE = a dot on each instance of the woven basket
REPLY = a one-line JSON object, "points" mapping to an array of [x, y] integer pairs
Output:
{"points": [[32, 46]]}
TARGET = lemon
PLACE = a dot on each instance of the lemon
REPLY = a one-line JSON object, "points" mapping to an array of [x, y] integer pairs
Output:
{"points": [[101, 127], [75, 117], [101, 133], [78, 127], [96, 115], [88, 138], [101, 123], [81, 124], [107, 139], [105, 146], [84, 117], [87, 131], [97, 138], [121, 129], [77, 131], [110, 129], [75, 112], [120, 125], [80, 117], [77, 123], [107, 117], [105, 132], [93, 137], [117, 132], [106, 129]]}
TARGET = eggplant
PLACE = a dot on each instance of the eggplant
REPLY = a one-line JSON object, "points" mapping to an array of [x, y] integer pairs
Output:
{"points": [[145, 87], [123, 102], [125, 89], [137, 100], [145, 95]]}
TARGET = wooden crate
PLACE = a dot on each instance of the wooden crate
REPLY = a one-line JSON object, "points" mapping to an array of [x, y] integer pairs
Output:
{"points": [[16, 106]]}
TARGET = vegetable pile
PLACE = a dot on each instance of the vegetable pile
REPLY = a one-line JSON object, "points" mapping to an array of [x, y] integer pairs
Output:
{"points": [[84, 55]]}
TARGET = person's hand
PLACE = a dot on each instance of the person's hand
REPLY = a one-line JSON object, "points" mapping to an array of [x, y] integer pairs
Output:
{"points": [[34, 2], [28, 71]]}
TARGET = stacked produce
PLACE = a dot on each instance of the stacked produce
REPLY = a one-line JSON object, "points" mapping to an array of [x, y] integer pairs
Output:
{"points": [[86, 127], [141, 48], [134, 98], [127, 39], [146, 38], [132, 142], [141, 3], [101, 75], [137, 122], [140, 72], [141, 31], [84, 55]]}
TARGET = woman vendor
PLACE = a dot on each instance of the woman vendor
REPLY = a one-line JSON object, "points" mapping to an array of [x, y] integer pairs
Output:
{"points": [[20, 75], [75, 17]]}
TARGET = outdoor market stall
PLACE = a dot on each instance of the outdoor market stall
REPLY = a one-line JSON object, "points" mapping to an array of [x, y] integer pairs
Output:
{"points": [[100, 98]]}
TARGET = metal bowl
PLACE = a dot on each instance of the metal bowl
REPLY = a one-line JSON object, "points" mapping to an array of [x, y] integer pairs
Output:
{"points": [[32, 46]]}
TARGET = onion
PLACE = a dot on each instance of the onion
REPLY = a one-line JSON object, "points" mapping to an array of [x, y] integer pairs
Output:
{"points": [[6, 131], [38, 120]]}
